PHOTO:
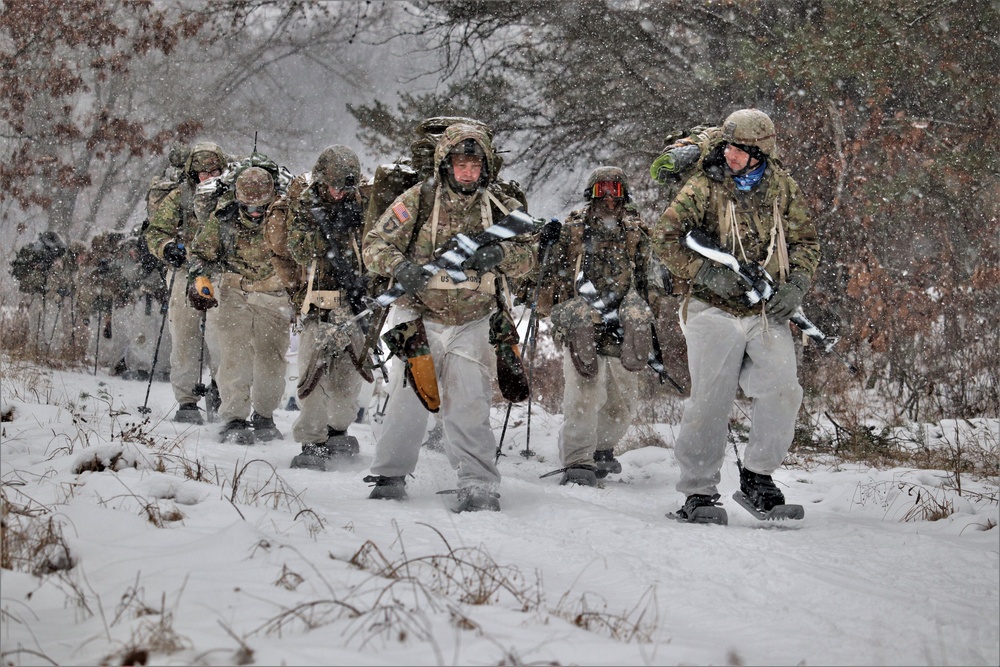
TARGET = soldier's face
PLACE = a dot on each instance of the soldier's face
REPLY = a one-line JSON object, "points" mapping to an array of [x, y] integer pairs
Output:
{"points": [[467, 168], [335, 194], [205, 175], [738, 159]]}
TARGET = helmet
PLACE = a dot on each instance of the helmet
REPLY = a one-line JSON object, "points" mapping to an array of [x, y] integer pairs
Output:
{"points": [[750, 128], [205, 156], [178, 155], [337, 167], [612, 175], [428, 133], [52, 242], [464, 139], [254, 187]]}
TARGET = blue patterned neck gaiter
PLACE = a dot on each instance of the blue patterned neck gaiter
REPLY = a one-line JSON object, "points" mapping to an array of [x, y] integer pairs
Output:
{"points": [[750, 179]]}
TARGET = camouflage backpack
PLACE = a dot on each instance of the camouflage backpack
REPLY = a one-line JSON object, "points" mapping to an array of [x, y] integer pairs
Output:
{"points": [[33, 261], [160, 186]]}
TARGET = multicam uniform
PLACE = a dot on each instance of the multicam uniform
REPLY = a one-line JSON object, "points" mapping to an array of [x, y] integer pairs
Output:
{"points": [[456, 320], [251, 321], [729, 343], [598, 407], [177, 220], [317, 227]]}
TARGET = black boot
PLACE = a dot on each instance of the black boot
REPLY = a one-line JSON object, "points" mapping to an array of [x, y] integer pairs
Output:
{"points": [[264, 428], [237, 431], [583, 475], [340, 444], [477, 499], [606, 463], [702, 509], [188, 413], [387, 488], [314, 456], [760, 490]]}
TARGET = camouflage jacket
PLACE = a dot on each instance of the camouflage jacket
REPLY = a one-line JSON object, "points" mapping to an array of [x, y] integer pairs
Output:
{"points": [[303, 227], [614, 258], [702, 204], [185, 209], [385, 247], [230, 242]]}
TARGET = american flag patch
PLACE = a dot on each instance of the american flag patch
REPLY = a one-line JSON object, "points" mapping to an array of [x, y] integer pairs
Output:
{"points": [[399, 208]]}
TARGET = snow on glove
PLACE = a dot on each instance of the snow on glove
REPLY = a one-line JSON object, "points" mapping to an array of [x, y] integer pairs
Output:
{"points": [[174, 254], [720, 280], [485, 258], [201, 295], [411, 277], [787, 299]]}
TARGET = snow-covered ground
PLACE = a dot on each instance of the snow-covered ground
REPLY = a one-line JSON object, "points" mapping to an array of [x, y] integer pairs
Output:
{"points": [[204, 553]]}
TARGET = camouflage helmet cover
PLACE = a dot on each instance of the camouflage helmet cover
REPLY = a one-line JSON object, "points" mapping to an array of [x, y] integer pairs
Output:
{"points": [[254, 187], [453, 140], [428, 133], [606, 173], [751, 127], [337, 167], [205, 156]]}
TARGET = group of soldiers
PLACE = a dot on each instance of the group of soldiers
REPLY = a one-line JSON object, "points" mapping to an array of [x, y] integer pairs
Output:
{"points": [[433, 255], [102, 301]]}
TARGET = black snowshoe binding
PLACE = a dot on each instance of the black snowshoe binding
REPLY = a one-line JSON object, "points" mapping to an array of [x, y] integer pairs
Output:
{"points": [[701, 509], [584, 475], [324, 456], [606, 463], [188, 413], [387, 488], [759, 496], [237, 432], [264, 428]]}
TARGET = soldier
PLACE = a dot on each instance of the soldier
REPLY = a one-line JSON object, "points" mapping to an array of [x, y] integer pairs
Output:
{"points": [[446, 322], [318, 227], [251, 321], [742, 197], [33, 268], [170, 232], [606, 244]]}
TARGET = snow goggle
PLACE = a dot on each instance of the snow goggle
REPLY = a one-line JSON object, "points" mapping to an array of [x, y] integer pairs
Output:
{"points": [[606, 188]]}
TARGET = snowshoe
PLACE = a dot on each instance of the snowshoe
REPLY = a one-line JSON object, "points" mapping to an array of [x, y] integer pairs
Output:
{"points": [[213, 401], [340, 444], [701, 509], [780, 512], [606, 463], [583, 475], [314, 456], [188, 413], [237, 432], [476, 499], [387, 488], [264, 428], [760, 496]]}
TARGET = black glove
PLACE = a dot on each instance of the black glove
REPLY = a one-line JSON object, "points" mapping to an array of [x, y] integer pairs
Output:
{"points": [[550, 233], [411, 277], [720, 280], [174, 254], [485, 258], [787, 299]]}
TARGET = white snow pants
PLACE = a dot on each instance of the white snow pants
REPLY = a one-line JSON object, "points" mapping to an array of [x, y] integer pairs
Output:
{"points": [[462, 358], [597, 411], [725, 352], [334, 401], [185, 340], [252, 331]]}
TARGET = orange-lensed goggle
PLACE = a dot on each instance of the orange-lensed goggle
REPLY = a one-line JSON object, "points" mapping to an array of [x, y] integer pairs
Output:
{"points": [[606, 188]]}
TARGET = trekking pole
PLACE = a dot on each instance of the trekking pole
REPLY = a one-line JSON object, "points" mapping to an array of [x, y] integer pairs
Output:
{"points": [[55, 323], [156, 350], [200, 389], [531, 335], [98, 333]]}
